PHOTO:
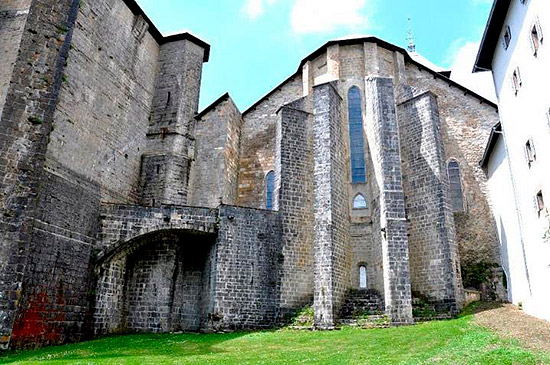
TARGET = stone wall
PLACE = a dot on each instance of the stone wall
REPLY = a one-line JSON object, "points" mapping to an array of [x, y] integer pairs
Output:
{"points": [[13, 16], [158, 282], [214, 173], [166, 250], [57, 285], [73, 142], [258, 143], [122, 223], [247, 264], [25, 126], [433, 256], [294, 200], [207, 269], [365, 251], [105, 100]]}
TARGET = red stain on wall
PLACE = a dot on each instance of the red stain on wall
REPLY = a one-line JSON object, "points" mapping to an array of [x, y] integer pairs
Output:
{"points": [[42, 318]]}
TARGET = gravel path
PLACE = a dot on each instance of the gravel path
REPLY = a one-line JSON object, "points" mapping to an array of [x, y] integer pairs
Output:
{"points": [[510, 322]]}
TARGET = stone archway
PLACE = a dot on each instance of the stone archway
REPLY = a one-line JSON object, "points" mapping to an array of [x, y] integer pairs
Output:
{"points": [[156, 282]]}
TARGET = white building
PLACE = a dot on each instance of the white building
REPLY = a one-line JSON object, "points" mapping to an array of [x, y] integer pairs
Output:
{"points": [[518, 154]]}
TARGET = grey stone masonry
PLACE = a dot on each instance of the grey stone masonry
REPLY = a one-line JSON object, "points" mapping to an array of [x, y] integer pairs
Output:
{"points": [[184, 268], [13, 16], [245, 281], [122, 209], [215, 169], [434, 262], [294, 200], [25, 125], [155, 283], [331, 206], [151, 266], [170, 139], [382, 131], [120, 224]]}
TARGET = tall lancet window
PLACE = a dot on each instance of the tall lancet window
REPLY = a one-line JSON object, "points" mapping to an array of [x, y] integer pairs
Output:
{"points": [[269, 189], [357, 142]]}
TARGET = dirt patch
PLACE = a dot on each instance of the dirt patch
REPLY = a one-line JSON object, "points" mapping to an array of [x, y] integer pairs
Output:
{"points": [[509, 321]]}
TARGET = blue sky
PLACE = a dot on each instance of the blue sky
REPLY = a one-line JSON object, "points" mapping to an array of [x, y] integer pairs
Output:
{"points": [[256, 44]]}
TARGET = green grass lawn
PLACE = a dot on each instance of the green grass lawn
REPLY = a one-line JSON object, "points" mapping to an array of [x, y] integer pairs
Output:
{"points": [[456, 341]]}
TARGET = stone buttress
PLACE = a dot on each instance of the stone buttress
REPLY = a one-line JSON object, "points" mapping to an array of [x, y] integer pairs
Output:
{"points": [[434, 261], [331, 206], [294, 201], [170, 139], [382, 131]]}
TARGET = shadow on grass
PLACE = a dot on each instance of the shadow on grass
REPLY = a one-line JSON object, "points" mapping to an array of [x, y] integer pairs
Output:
{"points": [[121, 347], [479, 307]]}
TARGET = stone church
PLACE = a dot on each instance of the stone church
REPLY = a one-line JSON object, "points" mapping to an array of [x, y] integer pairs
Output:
{"points": [[124, 209]]}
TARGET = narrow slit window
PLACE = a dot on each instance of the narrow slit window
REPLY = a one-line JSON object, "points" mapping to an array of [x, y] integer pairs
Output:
{"points": [[530, 154], [535, 41], [507, 39], [362, 277], [535, 37], [357, 141], [455, 186], [270, 189], [540, 203], [516, 80]]}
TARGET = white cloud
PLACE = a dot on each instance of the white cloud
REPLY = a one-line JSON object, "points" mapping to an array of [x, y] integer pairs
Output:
{"points": [[462, 56], [319, 16], [255, 8]]}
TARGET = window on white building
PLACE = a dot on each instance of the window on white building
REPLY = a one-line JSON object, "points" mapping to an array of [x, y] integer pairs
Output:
{"points": [[516, 80], [539, 200], [507, 37], [530, 154], [536, 37]]}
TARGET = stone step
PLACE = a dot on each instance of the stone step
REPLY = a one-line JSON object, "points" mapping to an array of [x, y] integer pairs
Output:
{"points": [[361, 304], [374, 321]]}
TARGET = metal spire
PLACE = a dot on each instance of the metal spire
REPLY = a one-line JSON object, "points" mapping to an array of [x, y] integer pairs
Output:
{"points": [[410, 38]]}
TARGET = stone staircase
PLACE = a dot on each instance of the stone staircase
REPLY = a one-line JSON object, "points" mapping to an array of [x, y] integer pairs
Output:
{"points": [[363, 308]]}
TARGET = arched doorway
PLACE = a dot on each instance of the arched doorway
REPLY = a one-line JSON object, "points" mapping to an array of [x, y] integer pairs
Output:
{"points": [[158, 282]]}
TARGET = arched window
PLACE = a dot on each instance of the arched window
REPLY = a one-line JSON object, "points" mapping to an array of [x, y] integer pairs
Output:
{"points": [[455, 185], [359, 202], [269, 189], [357, 143], [362, 277]]}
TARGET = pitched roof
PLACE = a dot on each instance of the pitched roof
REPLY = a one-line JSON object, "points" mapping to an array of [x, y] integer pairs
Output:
{"points": [[161, 39], [484, 60], [381, 43]]}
